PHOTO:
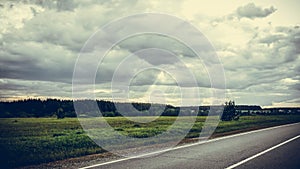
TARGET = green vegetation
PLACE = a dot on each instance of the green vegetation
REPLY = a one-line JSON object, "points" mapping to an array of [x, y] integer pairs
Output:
{"points": [[255, 122], [229, 112], [25, 141]]}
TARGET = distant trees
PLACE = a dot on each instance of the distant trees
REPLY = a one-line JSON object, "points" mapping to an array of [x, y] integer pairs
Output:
{"points": [[230, 112], [60, 114], [37, 108], [65, 108]]}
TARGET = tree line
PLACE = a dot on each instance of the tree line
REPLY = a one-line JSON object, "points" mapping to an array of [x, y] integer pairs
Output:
{"points": [[65, 108]]}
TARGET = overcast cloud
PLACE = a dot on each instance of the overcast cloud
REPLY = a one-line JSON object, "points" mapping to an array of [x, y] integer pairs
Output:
{"points": [[258, 44]]}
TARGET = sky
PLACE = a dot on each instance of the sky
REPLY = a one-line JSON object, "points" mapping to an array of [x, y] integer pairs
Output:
{"points": [[257, 43]]}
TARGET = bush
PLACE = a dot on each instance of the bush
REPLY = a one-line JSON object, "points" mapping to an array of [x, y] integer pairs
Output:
{"points": [[230, 112], [60, 113]]}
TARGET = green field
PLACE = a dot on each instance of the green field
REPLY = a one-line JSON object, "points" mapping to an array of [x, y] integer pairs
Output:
{"points": [[27, 141]]}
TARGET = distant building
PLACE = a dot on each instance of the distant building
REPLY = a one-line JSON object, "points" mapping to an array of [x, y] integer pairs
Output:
{"points": [[248, 109], [282, 110]]}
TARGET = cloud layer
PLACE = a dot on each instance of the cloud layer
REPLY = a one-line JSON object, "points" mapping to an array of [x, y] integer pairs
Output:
{"points": [[40, 42]]}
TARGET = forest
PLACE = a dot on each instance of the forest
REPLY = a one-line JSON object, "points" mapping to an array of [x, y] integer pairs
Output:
{"points": [[65, 108]]}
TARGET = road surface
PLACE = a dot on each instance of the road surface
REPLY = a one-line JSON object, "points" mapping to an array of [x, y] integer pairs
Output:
{"points": [[276, 147]]}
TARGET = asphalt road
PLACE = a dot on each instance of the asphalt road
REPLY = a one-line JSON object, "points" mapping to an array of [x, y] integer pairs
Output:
{"points": [[272, 148]]}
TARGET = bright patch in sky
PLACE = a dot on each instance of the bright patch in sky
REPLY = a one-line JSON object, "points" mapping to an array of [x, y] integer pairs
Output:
{"points": [[258, 43]]}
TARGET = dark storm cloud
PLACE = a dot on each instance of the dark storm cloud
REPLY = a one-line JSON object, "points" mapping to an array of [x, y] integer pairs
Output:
{"points": [[272, 38], [252, 11], [65, 5], [285, 45], [20, 89], [146, 41], [270, 57], [17, 66], [47, 45], [295, 87], [9, 86]]}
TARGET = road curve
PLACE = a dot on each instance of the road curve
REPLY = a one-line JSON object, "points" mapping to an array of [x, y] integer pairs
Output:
{"points": [[275, 147]]}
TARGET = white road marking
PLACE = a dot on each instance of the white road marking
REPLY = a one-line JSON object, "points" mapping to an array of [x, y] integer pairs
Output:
{"points": [[188, 145], [261, 153]]}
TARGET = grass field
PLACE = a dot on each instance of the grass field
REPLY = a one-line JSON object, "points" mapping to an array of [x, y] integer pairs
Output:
{"points": [[26, 141]]}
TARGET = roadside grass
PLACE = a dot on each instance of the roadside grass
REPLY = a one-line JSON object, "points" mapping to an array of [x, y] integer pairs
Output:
{"points": [[255, 122], [27, 141]]}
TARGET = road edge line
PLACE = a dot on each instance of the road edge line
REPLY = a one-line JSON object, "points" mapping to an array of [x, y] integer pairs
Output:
{"points": [[188, 145], [261, 153]]}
